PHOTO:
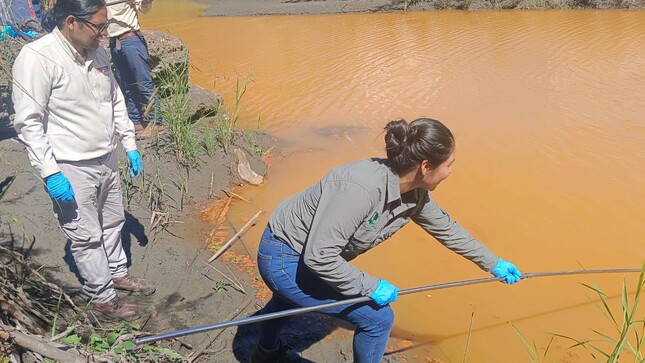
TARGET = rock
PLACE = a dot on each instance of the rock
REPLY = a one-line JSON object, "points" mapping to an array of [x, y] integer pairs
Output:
{"points": [[244, 169], [203, 103]]}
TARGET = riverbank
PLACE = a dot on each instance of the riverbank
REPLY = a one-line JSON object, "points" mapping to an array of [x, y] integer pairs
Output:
{"points": [[292, 7], [176, 218]]}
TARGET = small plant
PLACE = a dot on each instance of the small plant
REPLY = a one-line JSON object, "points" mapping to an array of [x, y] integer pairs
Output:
{"points": [[221, 286], [531, 349], [630, 329], [629, 332], [119, 344], [175, 108], [126, 181], [226, 127], [209, 140]]}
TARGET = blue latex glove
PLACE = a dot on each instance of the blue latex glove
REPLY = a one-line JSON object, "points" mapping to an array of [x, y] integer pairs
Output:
{"points": [[135, 163], [507, 270], [59, 188], [385, 293]]}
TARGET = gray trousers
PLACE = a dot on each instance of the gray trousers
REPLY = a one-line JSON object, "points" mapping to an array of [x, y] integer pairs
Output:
{"points": [[93, 223]]}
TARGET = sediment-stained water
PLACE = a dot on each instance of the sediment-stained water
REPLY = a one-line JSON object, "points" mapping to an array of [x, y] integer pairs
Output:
{"points": [[548, 108]]}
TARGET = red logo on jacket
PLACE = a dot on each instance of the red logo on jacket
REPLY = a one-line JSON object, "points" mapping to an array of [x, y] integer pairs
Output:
{"points": [[104, 70]]}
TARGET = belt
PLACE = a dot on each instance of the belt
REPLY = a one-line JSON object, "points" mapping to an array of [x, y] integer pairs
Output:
{"points": [[127, 34]]}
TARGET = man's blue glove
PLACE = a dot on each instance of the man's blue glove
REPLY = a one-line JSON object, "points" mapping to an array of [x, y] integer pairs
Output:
{"points": [[135, 163], [508, 271], [385, 293], [59, 188]]}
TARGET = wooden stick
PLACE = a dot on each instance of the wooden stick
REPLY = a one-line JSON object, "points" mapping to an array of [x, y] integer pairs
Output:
{"points": [[237, 196], [235, 284], [230, 242], [210, 187], [36, 345]]}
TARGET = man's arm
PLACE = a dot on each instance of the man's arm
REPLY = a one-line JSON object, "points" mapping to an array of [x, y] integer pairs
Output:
{"points": [[32, 85]]}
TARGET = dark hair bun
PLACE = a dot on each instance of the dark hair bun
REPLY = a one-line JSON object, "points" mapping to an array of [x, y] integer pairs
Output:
{"points": [[396, 136]]}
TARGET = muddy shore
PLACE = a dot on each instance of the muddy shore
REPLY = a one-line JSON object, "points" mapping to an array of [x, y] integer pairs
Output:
{"points": [[175, 219], [293, 7]]}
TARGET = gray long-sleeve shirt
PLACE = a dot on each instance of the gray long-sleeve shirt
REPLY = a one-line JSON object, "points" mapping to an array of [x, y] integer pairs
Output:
{"points": [[354, 208]]}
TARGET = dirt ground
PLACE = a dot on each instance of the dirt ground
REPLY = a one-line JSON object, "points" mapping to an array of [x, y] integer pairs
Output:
{"points": [[169, 236], [283, 7], [189, 293], [274, 7]]}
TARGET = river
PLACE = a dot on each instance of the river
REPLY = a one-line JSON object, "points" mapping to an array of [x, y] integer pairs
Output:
{"points": [[548, 109]]}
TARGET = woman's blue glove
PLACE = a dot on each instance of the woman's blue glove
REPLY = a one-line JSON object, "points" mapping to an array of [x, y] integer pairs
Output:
{"points": [[508, 271], [135, 163], [385, 293], [59, 188]]}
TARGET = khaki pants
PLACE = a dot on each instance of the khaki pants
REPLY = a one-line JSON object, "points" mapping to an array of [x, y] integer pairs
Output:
{"points": [[93, 223]]}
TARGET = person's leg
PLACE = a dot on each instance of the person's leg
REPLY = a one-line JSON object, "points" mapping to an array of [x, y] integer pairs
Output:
{"points": [[112, 218], [79, 220], [143, 88], [270, 329], [373, 326], [126, 81], [284, 273], [111, 215]]}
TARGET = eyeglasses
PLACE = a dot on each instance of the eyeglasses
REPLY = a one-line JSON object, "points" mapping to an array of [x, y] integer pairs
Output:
{"points": [[96, 28]]}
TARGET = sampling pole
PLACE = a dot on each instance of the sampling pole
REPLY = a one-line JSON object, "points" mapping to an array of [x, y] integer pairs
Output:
{"points": [[361, 299]]}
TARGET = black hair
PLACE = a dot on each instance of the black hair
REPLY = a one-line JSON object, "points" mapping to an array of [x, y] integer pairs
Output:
{"points": [[80, 9], [422, 139]]}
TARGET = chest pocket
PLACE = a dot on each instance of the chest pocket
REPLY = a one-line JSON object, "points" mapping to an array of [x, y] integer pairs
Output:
{"points": [[366, 236], [101, 84]]}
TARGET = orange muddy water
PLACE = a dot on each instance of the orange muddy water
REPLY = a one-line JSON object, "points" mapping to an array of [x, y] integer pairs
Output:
{"points": [[548, 109]]}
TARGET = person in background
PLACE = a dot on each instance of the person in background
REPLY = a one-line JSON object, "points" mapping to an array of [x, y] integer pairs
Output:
{"points": [[70, 113], [305, 250], [131, 60]]}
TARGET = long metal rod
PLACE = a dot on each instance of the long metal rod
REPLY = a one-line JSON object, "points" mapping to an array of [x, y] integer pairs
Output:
{"points": [[356, 300]]}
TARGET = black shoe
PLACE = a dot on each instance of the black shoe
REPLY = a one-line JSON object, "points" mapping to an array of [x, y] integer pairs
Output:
{"points": [[281, 355]]}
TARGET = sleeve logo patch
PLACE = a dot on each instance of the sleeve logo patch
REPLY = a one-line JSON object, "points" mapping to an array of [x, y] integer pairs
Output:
{"points": [[372, 221]]}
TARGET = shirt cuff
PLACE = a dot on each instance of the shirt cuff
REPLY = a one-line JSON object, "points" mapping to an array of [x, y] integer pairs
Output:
{"points": [[129, 145], [48, 169]]}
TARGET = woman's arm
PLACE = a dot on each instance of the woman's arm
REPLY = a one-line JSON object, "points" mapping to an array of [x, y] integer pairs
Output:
{"points": [[450, 233]]}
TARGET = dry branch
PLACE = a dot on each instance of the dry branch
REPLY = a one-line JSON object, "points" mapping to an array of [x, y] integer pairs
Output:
{"points": [[230, 242], [36, 345]]}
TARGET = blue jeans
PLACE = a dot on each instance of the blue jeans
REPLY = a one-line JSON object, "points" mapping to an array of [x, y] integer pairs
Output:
{"points": [[132, 73], [294, 285]]}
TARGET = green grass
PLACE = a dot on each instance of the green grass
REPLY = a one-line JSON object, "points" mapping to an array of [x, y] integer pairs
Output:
{"points": [[226, 128], [628, 335], [624, 343], [175, 109]]}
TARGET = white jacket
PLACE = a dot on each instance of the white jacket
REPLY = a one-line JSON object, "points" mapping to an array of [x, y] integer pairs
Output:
{"points": [[67, 108]]}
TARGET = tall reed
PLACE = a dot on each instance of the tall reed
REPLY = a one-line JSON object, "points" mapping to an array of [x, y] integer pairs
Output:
{"points": [[175, 108]]}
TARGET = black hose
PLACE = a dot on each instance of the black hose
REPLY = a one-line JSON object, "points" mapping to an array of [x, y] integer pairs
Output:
{"points": [[356, 300]]}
